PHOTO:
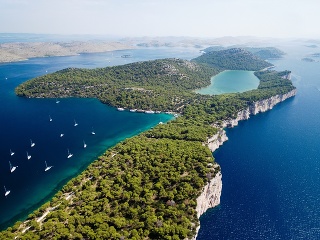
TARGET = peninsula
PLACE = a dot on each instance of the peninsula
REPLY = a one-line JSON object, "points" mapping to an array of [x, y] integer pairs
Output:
{"points": [[154, 185]]}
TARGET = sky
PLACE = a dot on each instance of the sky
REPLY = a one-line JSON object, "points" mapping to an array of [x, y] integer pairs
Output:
{"points": [[154, 18]]}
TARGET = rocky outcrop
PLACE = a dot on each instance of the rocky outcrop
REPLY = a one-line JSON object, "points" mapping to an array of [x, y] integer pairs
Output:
{"points": [[210, 195], [217, 140], [257, 107], [267, 104]]}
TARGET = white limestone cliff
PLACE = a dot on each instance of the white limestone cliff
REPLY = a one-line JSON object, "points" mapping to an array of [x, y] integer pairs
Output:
{"points": [[217, 140], [257, 107], [210, 195]]}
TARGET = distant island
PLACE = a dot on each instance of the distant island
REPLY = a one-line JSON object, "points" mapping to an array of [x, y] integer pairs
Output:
{"points": [[307, 59], [317, 55], [261, 52], [311, 46], [13, 52], [157, 184]]}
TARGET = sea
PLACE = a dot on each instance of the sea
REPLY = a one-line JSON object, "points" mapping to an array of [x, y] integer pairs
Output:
{"points": [[270, 164], [24, 121]]}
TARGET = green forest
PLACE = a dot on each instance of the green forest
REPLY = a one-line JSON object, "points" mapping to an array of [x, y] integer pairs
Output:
{"points": [[261, 52], [146, 186]]}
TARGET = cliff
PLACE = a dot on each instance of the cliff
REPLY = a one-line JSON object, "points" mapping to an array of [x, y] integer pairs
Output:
{"points": [[257, 107], [217, 140], [210, 195]]}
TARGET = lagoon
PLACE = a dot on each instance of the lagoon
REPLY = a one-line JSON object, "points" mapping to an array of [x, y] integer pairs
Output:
{"points": [[231, 81]]}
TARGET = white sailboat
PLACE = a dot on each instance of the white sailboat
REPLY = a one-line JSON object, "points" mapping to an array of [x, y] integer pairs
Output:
{"points": [[6, 192], [32, 143], [69, 154], [47, 167], [61, 135], [75, 123], [93, 132], [84, 144], [50, 119], [28, 156], [12, 168], [11, 153]]}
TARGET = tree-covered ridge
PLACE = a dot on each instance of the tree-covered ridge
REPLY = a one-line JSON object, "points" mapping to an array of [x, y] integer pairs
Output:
{"points": [[233, 59], [162, 85], [143, 188], [261, 52], [158, 85]]}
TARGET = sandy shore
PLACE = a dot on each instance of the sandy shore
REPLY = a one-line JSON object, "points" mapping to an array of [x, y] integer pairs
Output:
{"points": [[13, 52]]}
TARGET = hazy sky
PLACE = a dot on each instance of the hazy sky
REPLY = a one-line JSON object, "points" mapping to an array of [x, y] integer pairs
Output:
{"points": [[197, 18]]}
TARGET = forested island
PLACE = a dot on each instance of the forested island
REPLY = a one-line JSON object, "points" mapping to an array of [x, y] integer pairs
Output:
{"points": [[146, 187], [261, 52]]}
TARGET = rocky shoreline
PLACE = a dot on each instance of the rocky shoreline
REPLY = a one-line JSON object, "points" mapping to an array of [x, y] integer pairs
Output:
{"points": [[210, 195]]}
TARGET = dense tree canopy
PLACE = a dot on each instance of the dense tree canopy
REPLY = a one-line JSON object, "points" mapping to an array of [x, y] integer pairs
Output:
{"points": [[233, 59], [261, 52], [146, 186]]}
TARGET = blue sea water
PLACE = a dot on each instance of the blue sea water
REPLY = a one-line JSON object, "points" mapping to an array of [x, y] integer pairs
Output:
{"points": [[22, 119], [231, 81], [271, 165]]}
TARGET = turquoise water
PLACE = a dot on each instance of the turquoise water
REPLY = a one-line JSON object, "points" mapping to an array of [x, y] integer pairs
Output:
{"points": [[22, 119], [271, 165], [231, 81]]}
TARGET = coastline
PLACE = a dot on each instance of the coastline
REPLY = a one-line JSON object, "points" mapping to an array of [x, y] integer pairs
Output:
{"points": [[209, 190], [211, 193], [14, 52]]}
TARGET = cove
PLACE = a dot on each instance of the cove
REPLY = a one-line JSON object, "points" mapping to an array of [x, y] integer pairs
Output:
{"points": [[231, 81], [23, 120]]}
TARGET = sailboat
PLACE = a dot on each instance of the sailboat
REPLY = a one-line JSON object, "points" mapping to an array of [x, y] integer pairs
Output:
{"points": [[6, 192], [11, 153], [32, 143], [84, 144], [47, 167], [92, 132], [75, 123], [28, 156], [50, 119], [61, 135], [69, 154], [57, 101], [12, 168]]}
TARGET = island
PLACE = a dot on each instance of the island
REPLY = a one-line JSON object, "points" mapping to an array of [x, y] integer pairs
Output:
{"points": [[261, 52], [307, 59], [13, 52], [155, 185]]}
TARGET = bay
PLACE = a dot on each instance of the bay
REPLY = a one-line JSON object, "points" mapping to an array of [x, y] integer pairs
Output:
{"points": [[231, 81], [22, 120], [270, 165]]}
